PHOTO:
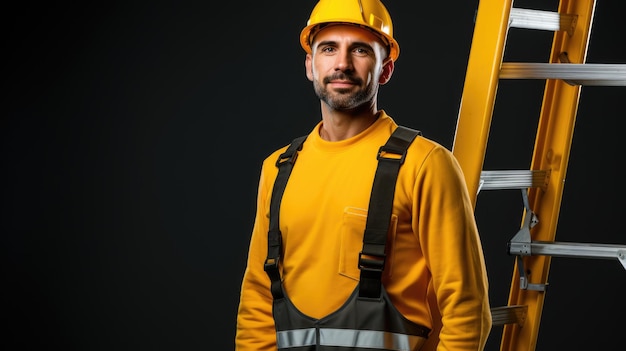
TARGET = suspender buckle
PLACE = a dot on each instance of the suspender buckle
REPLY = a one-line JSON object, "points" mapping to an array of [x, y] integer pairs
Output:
{"points": [[290, 155], [388, 153], [271, 268], [369, 261], [271, 263]]}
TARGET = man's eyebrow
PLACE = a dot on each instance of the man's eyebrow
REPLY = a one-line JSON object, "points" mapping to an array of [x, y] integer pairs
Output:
{"points": [[327, 42], [353, 44]]}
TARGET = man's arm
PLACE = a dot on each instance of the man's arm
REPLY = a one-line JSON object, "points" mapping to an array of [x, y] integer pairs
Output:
{"points": [[454, 254]]}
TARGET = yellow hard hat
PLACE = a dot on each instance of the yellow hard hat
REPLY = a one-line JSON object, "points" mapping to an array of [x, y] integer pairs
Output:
{"points": [[371, 14]]}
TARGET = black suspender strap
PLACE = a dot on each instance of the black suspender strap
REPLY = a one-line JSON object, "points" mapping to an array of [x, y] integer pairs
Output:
{"points": [[285, 164], [372, 257]]}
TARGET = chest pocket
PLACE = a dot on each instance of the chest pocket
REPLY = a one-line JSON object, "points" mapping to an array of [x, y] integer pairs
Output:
{"points": [[351, 242]]}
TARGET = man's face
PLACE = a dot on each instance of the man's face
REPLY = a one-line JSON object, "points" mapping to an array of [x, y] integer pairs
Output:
{"points": [[345, 66]]}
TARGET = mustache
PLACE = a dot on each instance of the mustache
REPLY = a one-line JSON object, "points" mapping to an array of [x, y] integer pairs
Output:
{"points": [[342, 76]]}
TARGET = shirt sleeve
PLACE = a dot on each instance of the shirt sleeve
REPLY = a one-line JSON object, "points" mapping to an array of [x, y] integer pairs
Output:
{"points": [[449, 236], [255, 323]]}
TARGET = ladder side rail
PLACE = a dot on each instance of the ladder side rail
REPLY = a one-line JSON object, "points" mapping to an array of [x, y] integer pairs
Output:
{"points": [[476, 107], [479, 90]]}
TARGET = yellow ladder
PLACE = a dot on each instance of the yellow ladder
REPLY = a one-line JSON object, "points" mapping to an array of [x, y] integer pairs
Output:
{"points": [[542, 185]]}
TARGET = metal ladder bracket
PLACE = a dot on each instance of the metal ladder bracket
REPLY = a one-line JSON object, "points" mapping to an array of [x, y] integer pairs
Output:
{"points": [[521, 245]]}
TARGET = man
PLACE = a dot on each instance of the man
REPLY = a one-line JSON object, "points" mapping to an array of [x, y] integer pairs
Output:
{"points": [[311, 281]]}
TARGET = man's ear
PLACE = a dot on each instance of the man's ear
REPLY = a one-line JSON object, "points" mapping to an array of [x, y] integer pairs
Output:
{"points": [[385, 76], [308, 63]]}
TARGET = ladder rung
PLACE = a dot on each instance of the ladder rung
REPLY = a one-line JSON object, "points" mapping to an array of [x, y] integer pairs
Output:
{"points": [[512, 179], [578, 73], [509, 314], [562, 249], [542, 20]]}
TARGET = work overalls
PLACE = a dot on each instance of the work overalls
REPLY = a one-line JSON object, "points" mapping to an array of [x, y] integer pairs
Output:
{"points": [[368, 320]]}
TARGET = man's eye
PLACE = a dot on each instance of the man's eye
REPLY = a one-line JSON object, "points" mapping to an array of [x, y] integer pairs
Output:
{"points": [[361, 51]]}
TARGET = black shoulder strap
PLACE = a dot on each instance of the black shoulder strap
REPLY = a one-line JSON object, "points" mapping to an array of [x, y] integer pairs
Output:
{"points": [[372, 257], [285, 164]]}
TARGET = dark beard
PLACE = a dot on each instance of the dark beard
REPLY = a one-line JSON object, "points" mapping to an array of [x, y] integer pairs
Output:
{"points": [[343, 99]]}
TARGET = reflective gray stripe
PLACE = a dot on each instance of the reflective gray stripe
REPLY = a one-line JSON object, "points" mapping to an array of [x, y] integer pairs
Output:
{"points": [[295, 338], [370, 339], [350, 338]]}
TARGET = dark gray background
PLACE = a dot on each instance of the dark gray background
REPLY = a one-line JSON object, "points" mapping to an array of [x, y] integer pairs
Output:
{"points": [[132, 136]]}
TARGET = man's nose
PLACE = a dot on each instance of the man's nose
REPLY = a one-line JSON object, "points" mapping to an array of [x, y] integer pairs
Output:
{"points": [[344, 60]]}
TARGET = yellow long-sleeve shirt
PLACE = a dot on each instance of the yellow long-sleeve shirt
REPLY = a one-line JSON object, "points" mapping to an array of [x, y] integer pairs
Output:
{"points": [[433, 239]]}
